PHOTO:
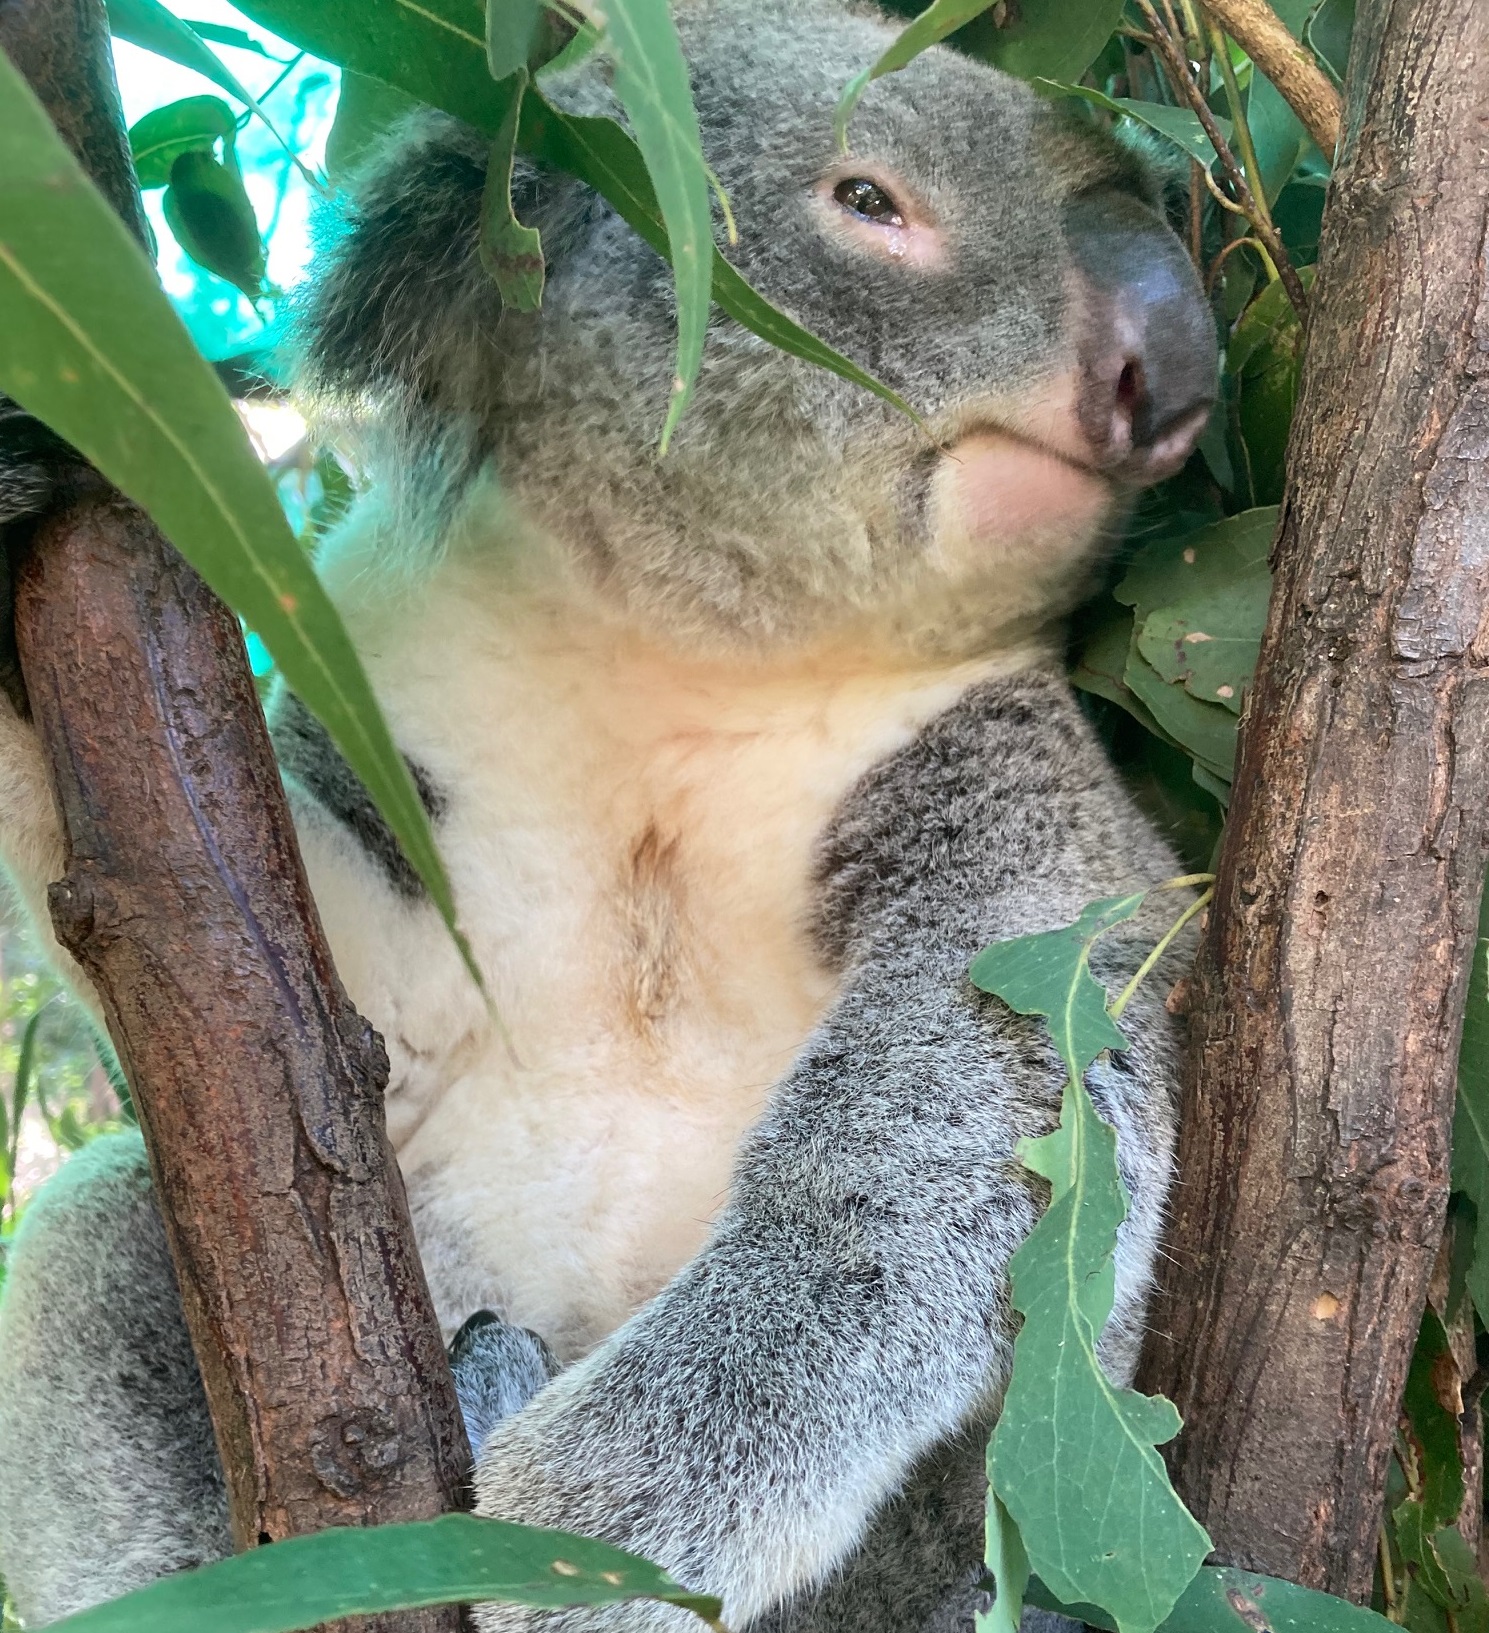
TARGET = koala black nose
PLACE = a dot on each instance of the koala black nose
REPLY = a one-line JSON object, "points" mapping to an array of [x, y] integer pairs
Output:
{"points": [[1149, 358]]}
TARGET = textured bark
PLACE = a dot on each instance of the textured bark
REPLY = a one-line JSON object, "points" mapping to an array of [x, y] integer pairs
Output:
{"points": [[259, 1087], [1330, 986]]}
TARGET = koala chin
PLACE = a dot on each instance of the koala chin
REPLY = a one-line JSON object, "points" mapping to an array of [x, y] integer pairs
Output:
{"points": [[737, 756]]}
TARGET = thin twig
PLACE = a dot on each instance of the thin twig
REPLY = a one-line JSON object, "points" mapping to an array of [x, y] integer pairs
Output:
{"points": [[1249, 160], [1198, 905], [1220, 260], [1184, 85]]}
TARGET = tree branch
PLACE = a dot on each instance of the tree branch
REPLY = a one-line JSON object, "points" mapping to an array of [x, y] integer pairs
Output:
{"points": [[1289, 64], [185, 902], [1330, 985]]}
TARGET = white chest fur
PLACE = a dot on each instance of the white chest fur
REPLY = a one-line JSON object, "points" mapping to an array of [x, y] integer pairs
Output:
{"points": [[631, 837]]}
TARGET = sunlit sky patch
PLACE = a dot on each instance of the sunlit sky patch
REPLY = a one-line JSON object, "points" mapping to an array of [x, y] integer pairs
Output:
{"points": [[302, 105]]}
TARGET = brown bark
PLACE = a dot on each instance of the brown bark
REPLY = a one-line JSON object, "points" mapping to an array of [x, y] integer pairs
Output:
{"points": [[258, 1085], [1329, 989]]}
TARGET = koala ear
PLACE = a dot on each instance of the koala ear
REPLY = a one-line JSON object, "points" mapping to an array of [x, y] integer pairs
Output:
{"points": [[399, 304]]}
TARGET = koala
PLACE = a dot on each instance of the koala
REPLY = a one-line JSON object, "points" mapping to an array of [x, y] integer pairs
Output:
{"points": [[737, 757]]}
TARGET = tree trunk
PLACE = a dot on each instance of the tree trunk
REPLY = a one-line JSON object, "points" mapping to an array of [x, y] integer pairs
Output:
{"points": [[1329, 990], [259, 1087]]}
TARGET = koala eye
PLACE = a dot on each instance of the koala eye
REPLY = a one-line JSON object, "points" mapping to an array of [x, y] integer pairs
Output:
{"points": [[864, 199]]}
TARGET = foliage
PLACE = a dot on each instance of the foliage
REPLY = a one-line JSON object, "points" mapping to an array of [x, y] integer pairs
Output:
{"points": [[1164, 654], [341, 1572]]}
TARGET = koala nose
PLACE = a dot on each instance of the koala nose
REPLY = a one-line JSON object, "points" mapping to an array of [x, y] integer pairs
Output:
{"points": [[1149, 358]]}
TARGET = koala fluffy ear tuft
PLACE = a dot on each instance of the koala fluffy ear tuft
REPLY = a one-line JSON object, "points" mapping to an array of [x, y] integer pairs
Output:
{"points": [[400, 306]]}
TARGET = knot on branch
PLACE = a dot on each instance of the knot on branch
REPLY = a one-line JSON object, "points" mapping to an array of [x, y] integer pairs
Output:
{"points": [[356, 1450]]}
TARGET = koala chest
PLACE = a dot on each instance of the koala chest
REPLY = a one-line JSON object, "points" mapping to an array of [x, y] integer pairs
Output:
{"points": [[632, 841]]}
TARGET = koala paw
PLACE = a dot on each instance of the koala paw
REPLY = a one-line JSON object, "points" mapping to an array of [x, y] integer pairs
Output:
{"points": [[498, 1369]]}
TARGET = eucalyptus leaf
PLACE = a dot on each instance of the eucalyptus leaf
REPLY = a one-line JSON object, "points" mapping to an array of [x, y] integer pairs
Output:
{"points": [[94, 350], [650, 78], [1048, 973], [940, 18], [150, 25], [1209, 643], [239, 39], [1008, 1565], [208, 209], [1049, 39], [1222, 1599], [435, 52], [510, 252], [1276, 133], [511, 27], [1073, 1458], [1205, 730], [195, 124], [1178, 125], [348, 1571], [1182, 566]]}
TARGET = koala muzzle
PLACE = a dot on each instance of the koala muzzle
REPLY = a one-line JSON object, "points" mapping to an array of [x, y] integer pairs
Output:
{"points": [[1149, 356]]}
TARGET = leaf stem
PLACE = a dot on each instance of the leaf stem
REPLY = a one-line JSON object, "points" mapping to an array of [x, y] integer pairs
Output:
{"points": [[1249, 161], [1196, 906]]}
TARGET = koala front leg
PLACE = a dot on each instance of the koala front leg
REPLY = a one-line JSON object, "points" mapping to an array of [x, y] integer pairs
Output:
{"points": [[850, 1311]]}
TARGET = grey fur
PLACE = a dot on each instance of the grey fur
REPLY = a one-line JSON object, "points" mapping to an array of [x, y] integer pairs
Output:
{"points": [[850, 1311], [307, 755], [798, 1418]]}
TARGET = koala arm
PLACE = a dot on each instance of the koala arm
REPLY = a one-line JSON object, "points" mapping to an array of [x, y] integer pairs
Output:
{"points": [[851, 1308]]}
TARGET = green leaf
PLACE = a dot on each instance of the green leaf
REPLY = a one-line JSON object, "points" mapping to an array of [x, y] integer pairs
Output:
{"points": [[1178, 125], [1100, 669], [940, 18], [1471, 1114], [1222, 1599], [195, 124], [1206, 730], [1049, 39], [1432, 1430], [1008, 1565], [239, 39], [150, 25], [511, 253], [208, 210], [1048, 974], [650, 78], [1073, 1457], [349, 1571], [1184, 566], [365, 109], [1209, 643], [94, 350], [435, 52], [1264, 358], [511, 27], [1276, 133]]}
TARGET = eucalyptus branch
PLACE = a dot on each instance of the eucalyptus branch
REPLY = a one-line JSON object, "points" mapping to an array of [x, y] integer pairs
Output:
{"points": [[1303, 85], [1184, 84]]}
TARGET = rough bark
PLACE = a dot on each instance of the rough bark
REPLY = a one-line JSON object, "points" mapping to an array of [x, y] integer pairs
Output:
{"points": [[259, 1087], [1330, 986]]}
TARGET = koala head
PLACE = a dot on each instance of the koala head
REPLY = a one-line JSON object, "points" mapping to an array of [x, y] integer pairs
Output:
{"points": [[1001, 265]]}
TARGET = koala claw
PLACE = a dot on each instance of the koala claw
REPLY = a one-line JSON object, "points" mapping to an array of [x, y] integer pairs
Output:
{"points": [[498, 1369]]}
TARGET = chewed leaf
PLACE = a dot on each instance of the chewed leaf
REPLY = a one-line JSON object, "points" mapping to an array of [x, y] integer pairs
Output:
{"points": [[940, 18], [1008, 1565], [1048, 974], [353, 1571], [1073, 1457]]}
